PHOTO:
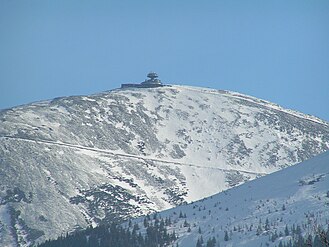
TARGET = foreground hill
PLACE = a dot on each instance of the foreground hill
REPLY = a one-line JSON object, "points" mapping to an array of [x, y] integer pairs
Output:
{"points": [[75, 161], [281, 207]]}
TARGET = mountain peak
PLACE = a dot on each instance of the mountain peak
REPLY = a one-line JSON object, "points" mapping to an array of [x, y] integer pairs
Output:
{"points": [[132, 151]]}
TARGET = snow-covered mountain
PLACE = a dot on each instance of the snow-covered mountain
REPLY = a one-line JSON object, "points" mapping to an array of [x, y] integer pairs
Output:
{"points": [[74, 161], [279, 207]]}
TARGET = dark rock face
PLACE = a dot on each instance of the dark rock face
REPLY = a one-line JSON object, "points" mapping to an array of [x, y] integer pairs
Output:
{"points": [[75, 161]]}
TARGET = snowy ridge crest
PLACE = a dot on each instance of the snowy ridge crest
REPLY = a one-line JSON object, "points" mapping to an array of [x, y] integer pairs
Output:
{"points": [[256, 100]]}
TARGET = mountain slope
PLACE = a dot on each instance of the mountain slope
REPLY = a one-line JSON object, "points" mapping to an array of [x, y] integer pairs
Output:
{"points": [[74, 161], [276, 208]]}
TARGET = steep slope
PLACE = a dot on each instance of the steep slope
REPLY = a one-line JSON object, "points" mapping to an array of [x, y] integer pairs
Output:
{"points": [[279, 207], [74, 161]]}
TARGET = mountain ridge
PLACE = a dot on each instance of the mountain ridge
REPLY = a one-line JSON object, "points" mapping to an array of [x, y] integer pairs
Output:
{"points": [[255, 99], [142, 149]]}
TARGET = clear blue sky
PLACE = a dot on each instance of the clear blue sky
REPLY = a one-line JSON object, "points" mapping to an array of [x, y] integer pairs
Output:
{"points": [[274, 50]]}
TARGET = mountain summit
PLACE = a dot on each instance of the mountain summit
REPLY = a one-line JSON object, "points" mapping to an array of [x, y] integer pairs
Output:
{"points": [[74, 161]]}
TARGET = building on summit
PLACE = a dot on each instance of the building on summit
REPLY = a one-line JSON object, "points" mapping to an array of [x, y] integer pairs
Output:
{"points": [[151, 82]]}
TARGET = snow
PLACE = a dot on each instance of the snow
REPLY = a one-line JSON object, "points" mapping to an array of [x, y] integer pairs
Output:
{"points": [[6, 237], [254, 100], [165, 146], [302, 189]]}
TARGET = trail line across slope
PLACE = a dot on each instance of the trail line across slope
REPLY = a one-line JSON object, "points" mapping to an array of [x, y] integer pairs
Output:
{"points": [[113, 153]]}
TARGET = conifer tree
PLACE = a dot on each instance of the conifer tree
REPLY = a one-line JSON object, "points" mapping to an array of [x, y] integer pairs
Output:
{"points": [[286, 231], [226, 237], [267, 225]]}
